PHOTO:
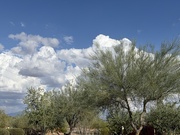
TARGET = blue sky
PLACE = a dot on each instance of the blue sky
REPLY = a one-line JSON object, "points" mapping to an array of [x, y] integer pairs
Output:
{"points": [[144, 21], [45, 43]]}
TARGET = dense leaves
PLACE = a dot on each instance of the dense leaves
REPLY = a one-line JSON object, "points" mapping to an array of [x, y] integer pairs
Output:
{"points": [[68, 103], [56, 110], [38, 109], [132, 78], [165, 118], [4, 119]]}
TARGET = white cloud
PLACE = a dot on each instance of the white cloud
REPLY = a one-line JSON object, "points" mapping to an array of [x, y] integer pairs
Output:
{"points": [[29, 43], [104, 41], [10, 78], [75, 56], [1, 47], [68, 39], [44, 66]]}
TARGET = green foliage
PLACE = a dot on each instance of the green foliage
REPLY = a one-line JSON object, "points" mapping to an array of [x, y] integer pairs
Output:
{"points": [[52, 110], [117, 81], [16, 131], [165, 118], [132, 77], [118, 121], [4, 131], [63, 129], [38, 111], [34, 106], [69, 106], [100, 125], [104, 131], [20, 121], [4, 119], [90, 121]]}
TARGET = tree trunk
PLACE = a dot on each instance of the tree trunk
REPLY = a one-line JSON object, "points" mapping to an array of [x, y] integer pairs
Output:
{"points": [[142, 118], [139, 130], [142, 122], [58, 133]]}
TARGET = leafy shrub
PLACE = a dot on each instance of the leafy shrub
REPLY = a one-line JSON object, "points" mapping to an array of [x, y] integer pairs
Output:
{"points": [[16, 131], [165, 118], [104, 131], [118, 121], [63, 129], [4, 131]]}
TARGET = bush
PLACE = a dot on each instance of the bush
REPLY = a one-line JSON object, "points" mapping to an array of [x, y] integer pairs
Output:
{"points": [[4, 131], [104, 131], [16, 131], [165, 118]]}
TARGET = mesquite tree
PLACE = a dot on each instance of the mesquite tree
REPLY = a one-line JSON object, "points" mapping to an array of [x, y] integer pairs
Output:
{"points": [[132, 78]]}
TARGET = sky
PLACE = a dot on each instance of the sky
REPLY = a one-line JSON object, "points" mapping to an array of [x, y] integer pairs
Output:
{"points": [[45, 43]]}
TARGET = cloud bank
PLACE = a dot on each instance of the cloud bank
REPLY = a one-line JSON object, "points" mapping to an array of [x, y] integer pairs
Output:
{"points": [[36, 62]]}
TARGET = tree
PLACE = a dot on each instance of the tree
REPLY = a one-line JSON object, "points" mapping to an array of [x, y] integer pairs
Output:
{"points": [[132, 78], [90, 121], [4, 119], [118, 120], [69, 106], [165, 118], [20, 121], [38, 109]]}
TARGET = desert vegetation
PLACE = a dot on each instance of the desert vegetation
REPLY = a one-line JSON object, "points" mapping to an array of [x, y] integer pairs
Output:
{"points": [[121, 91]]}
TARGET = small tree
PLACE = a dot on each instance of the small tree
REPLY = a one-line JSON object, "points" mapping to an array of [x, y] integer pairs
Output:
{"points": [[69, 106], [38, 109], [132, 77]]}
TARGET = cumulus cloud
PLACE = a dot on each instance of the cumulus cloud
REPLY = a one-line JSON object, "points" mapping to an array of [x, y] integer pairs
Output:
{"points": [[29, 43], [44, 66], [68, 39], [104, 41], [79, 57], [10, 78]]}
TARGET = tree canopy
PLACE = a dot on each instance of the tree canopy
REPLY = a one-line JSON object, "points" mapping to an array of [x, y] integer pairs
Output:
{"points": [[133, 78], [123, 81]]}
